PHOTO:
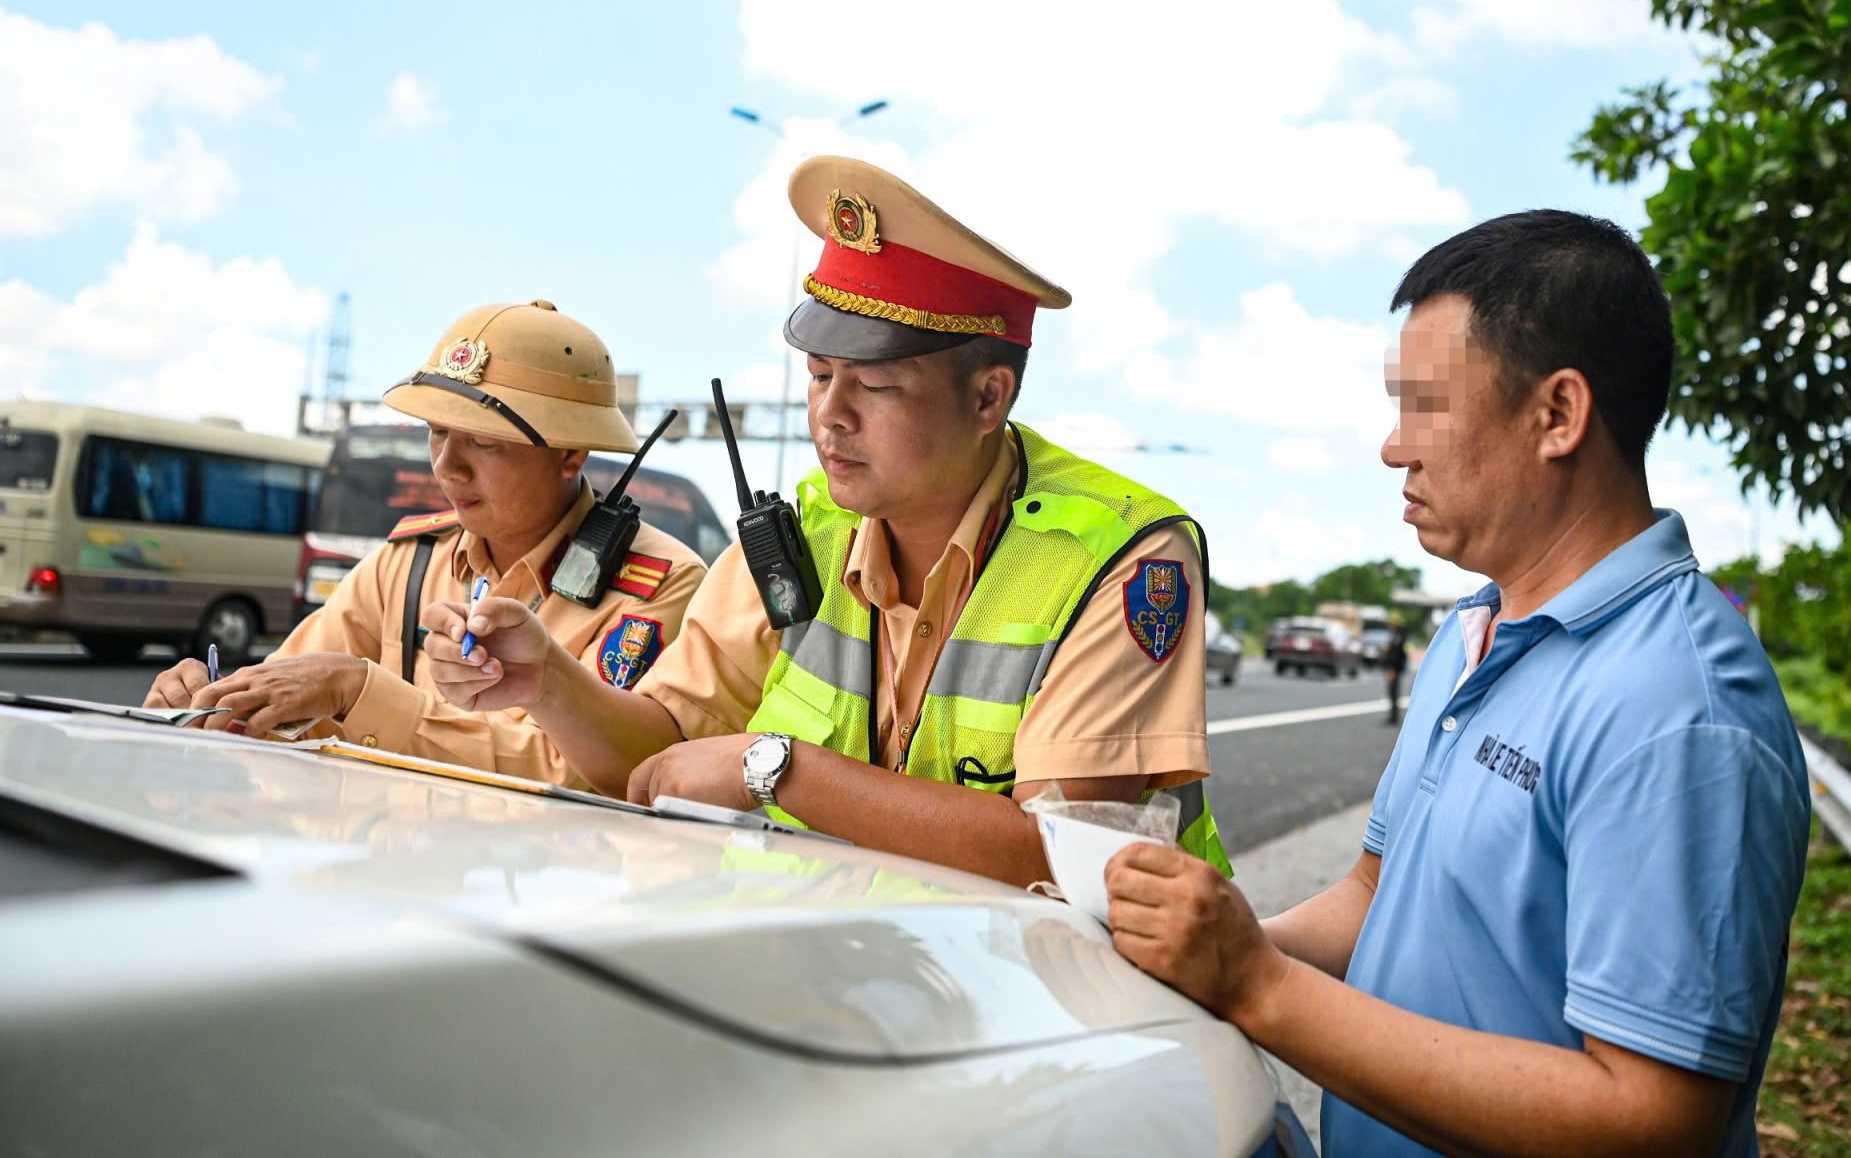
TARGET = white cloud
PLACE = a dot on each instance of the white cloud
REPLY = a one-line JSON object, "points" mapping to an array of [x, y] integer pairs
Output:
{"points": [[89, 119], [1299, 455], [1095, 435], [167, 331], [412, 105], [1297, 544], [1405, 94], [1118, 137], [1537, 23], [1279, 366]]}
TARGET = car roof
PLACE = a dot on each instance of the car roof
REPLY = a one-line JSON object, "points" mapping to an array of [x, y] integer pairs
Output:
{"points": [[636, 893]]}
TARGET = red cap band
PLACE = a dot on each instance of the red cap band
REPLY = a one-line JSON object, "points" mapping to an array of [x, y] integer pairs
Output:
{"points": [[933, 291]]}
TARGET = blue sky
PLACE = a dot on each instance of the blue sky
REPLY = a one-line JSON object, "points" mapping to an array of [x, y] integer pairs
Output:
{"points": [[1230, 193]]}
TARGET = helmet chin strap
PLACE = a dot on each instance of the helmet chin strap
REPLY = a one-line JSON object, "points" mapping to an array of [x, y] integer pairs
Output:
{"points": [[479, 397]]}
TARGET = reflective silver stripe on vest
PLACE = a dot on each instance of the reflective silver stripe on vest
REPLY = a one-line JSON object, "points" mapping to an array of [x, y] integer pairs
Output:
{"points": [[1194, 803], [997, 673], [839, 660]]}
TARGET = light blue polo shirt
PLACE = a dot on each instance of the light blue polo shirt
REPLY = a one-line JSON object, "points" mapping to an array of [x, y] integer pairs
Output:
{"points": [[1601, 831]]}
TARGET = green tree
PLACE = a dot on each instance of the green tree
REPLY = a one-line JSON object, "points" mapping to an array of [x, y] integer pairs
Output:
{"points": [[1364, 583], [1752, 234]]}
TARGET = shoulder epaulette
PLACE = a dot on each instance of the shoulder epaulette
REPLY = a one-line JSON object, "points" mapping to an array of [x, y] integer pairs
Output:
{"points": [[412, 526], [640, 575]]}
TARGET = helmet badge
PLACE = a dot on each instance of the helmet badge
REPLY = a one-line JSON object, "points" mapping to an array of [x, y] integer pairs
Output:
{"points": [[463, 360]]}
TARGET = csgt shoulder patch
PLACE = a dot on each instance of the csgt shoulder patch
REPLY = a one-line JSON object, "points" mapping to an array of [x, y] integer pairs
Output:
{"points": [[414, 525], [1157, 606], [640, 575], [629, 650]]}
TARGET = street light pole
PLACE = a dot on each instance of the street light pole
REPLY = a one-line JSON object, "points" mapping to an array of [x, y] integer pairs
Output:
{"points": [[784, 396]]}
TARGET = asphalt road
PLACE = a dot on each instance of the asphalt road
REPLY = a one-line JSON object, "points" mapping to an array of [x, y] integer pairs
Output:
{"points": [[1284, 751]]}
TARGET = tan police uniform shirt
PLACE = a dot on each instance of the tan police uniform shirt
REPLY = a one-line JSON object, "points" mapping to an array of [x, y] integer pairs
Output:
{"points": [[365, 617], [1105, 707]]}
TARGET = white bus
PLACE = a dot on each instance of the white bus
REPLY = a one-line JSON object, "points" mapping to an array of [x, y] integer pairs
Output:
{"points": [[124, 529]]}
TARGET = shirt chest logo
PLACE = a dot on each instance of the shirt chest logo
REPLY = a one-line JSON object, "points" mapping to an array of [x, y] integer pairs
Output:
{"points": [[1509, 762]]}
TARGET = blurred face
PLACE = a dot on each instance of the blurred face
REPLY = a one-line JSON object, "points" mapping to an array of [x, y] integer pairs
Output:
{"points": [[901, 439], [1470, 487], [503, 491]]}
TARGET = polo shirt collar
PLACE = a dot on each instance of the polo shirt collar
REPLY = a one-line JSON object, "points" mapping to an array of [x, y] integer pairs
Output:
{"points": [[868, 571], [1653, 557]]}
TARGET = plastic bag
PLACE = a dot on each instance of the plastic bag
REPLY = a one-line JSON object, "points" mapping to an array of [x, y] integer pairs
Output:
{"points": [[1081, 836]]}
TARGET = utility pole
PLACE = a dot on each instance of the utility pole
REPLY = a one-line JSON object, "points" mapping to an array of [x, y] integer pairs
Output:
{"points": [[334, 378]]}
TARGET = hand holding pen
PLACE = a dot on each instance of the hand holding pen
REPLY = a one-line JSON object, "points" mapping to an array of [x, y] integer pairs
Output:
{"points": [[212, 663], [476, 595]]}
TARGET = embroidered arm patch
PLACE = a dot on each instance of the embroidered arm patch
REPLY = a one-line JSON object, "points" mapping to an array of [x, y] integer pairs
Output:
{"points": [[629, 650], [1157, 606]]}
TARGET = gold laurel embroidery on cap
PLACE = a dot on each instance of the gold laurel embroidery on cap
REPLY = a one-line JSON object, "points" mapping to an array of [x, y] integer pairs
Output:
{"points": [[464, 360], [851, 222], [905, 315]]}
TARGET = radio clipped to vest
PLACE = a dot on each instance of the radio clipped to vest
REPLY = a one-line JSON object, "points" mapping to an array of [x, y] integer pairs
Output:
{"points": [[604, 537], [776, 552]]}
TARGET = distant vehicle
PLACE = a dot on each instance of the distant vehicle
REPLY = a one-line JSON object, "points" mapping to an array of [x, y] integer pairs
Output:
{"points": [[1319, 644], [125, 529], [1374, 644], [378, 474], [250, 949], [1224, 651], [1282, 627]]}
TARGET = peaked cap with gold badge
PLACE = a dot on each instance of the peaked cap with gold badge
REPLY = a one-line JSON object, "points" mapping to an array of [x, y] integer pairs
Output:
{"points": [[524, 373], [899, 276]]}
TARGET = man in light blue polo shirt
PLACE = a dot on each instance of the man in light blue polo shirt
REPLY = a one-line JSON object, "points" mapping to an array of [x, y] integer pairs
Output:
{"points": [[1566, 933]]}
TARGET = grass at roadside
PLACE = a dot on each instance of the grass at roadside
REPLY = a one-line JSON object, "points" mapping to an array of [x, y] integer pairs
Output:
{"points": [[1805, 1106], [1805, 1103]]}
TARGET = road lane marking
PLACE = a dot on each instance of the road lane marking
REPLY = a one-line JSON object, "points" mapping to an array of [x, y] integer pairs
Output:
{"points": [[1298, 716]]}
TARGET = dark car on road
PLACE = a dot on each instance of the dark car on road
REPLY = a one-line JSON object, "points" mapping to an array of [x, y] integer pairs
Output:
{"points": [[1374, 641], [1224, 652], [1317, 645]]}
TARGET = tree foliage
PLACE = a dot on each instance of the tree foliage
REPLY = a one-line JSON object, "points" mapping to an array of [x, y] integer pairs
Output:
{"points": [[1801, 603], [1752, 234], [1362, 583]]}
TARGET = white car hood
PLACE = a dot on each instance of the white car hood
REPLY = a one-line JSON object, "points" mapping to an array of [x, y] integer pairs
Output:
{"points": [[802, 943]]}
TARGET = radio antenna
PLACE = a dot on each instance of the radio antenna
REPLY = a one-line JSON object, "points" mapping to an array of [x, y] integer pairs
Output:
{"points": [[732, 447], [623, 483]]}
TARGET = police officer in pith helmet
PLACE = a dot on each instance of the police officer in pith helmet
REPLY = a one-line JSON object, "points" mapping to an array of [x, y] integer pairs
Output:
{"points": [[515, 397]]}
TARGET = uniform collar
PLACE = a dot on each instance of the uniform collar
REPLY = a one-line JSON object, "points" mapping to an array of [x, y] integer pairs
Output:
{"points": [[868, 572], [472, 555], [1653, 557]]}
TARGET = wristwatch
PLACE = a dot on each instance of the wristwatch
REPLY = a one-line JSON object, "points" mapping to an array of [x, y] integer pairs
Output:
{"points": [[766, 759]]}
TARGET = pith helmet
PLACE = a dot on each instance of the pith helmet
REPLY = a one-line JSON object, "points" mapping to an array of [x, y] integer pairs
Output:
{"points": [[525, 373]]}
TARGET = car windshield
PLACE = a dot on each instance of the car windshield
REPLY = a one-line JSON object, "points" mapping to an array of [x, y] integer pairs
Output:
{"points": [[376, 478]]}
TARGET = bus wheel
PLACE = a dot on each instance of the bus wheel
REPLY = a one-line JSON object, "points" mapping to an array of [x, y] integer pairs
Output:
{"points": [[232, 625], [112, 648]]}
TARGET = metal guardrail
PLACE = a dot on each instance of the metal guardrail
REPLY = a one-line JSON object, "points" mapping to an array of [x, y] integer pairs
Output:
{"points": [[1831, 791]]}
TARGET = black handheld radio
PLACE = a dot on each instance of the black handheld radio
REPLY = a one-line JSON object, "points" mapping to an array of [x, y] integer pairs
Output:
{"points": [[604, 537], [775, 550]]}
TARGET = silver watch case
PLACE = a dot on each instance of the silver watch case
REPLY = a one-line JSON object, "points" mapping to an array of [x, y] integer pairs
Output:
{"points": [[765, 760]]}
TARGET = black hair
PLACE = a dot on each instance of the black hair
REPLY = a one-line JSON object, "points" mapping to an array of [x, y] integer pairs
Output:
{"points": [[985, 351], [1553, 290]]}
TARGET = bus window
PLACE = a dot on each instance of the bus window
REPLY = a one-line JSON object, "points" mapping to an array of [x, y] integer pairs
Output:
{"points": [[136, 482], [242, 494], [27, 458]]}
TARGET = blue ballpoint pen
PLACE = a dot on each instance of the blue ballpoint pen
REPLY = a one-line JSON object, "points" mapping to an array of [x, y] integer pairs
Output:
{"points": [[475, 598], [212, 663]]}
